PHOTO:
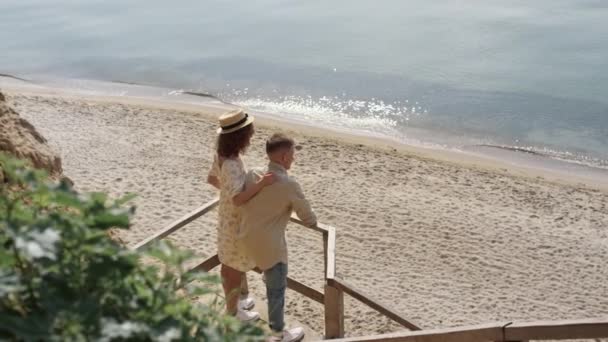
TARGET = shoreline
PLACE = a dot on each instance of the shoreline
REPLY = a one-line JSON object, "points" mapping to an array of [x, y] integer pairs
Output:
{"points": [[446, 239], [511, 162]]}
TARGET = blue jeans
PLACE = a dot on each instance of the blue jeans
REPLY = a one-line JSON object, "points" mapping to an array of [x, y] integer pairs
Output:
{"points": [[276, 282]]}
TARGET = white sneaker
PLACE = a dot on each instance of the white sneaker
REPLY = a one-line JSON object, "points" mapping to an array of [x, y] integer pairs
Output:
{"points": [[247, 316], [289, 335], [246, 303]]}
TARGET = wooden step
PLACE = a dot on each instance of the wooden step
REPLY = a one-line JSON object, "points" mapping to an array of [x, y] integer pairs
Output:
{"points": [[262, 308]]}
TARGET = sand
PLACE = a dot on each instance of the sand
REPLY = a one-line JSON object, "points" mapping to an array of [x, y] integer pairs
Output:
{"points": [[445, 240]]}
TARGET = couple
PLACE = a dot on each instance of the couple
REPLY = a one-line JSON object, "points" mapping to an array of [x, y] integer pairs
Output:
{"points": [[254, 210]]}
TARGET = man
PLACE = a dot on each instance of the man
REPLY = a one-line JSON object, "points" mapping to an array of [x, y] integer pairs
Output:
{"points": [[264, 219]]}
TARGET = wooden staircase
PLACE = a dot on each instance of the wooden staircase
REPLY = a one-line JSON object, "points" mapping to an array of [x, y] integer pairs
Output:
{"points": [[332, 299]]}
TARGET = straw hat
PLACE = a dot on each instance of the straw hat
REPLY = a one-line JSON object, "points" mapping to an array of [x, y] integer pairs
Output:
{"points": [[233, 121]]}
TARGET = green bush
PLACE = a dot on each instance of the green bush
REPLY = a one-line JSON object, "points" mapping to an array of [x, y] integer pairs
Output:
{"points": [[63, 279]]}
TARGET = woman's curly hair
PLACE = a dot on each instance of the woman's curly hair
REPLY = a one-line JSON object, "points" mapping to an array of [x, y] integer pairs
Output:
{"points": [[231, 145]]}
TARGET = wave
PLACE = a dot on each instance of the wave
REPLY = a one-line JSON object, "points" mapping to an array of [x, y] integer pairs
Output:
{"points": [[515, 149], [15, 77], [579, 159]]}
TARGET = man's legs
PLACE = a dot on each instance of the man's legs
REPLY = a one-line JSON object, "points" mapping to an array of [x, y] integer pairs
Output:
{"points": [[276, 282]]}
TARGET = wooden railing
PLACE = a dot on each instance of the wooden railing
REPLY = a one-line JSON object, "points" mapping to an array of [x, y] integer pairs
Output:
{"points": [[173, 227], [335, 287], [501, 332], [332, 297]]}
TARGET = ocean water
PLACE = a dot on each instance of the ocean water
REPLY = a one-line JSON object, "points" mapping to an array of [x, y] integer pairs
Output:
{"points": [[522, 75]]}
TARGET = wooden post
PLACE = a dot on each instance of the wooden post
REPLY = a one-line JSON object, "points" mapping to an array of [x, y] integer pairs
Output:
{"points": [[325, 238], [334, 312], [331, 255]]}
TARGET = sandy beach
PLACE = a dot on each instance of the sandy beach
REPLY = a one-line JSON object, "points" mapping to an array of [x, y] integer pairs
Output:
{"points": [[446, 239]]}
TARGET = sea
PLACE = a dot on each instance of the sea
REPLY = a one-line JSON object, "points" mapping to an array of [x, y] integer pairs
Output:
{"points": [[525, 78]]}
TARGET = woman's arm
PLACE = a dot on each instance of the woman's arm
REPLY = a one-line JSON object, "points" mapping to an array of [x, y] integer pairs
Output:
{"points": [[213, 180], [244, 196], [213, 176]]}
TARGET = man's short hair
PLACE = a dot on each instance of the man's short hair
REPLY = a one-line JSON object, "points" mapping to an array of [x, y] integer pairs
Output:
{"points": [[278, 141]]}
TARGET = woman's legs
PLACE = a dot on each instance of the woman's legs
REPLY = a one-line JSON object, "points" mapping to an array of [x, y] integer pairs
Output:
{"points": [[244, 285], [231, 281]]}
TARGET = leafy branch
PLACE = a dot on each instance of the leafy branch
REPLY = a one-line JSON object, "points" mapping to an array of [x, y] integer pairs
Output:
{"points": [[62, 278]]}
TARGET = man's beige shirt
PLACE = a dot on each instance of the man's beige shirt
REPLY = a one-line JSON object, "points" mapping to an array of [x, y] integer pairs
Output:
{"points": [[265, 217]]}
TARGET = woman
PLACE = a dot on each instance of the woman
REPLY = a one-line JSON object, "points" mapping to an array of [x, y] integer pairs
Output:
{"points": [[228, 175]]}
